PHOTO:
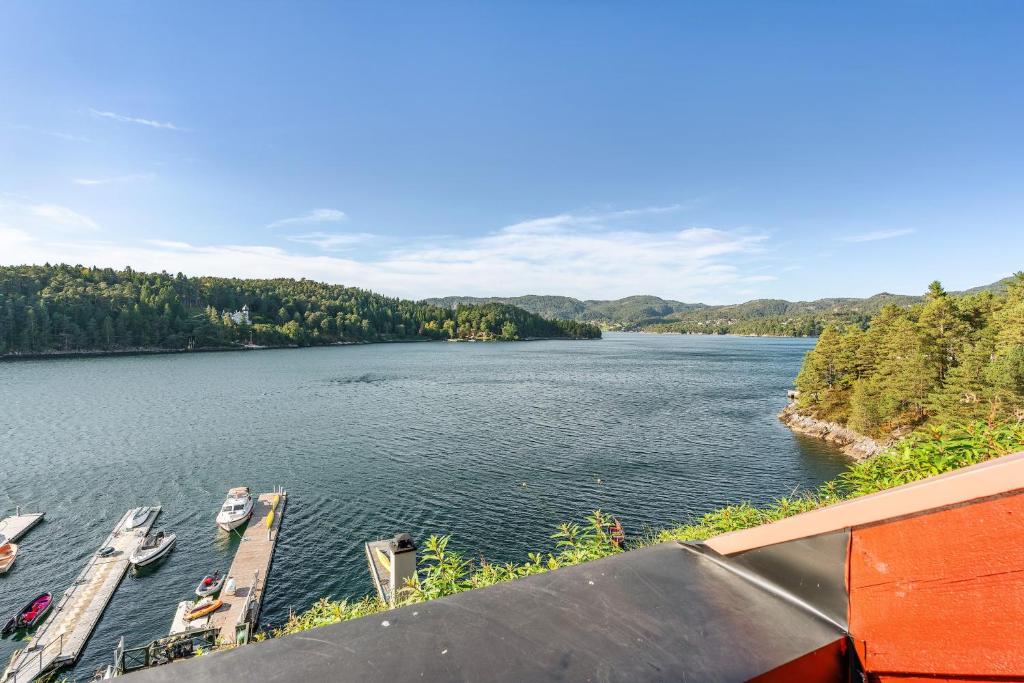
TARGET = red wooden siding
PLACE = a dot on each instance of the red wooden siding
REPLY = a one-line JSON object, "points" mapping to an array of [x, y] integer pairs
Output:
{"points": [[941, 595]]}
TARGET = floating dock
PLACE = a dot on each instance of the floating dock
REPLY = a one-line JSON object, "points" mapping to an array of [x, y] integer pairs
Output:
{"points": [[179, 625], [63, 636], [17, 526], [248, 573]]}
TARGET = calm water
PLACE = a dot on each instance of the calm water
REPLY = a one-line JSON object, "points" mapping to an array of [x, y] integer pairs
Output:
{"points": [[494, 443]]}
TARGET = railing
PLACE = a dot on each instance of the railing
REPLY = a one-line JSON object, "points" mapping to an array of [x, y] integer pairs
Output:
{"points": [[163, 651]]}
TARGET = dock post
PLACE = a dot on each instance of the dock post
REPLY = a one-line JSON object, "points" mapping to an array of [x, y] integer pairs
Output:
{"points": [[403, 563]]}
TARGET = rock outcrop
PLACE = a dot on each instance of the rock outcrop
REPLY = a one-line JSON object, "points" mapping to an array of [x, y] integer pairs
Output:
{"points": [[853, 444]]}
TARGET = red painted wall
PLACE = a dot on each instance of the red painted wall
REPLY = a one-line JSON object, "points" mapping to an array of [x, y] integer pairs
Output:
{"points": [[941, 594]]}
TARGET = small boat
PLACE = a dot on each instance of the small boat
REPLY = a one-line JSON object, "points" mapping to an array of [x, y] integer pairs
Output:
{"points": [[8, 553], [137, 518], [204, 607], [237, 509], [30, 616], [155, 546], [210, 585]]}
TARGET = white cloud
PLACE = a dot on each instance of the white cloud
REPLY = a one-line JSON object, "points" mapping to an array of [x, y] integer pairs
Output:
{"points": [[134, 119], [312, 217], [132, 177], [876, 235], [328, 241], [61, 215], [573, 255]]}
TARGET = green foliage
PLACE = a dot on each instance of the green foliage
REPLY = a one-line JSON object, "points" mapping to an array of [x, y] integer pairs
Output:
{"points": [[761, 317], [949, 359], [72, 308], [444, 572], [931, 452]]}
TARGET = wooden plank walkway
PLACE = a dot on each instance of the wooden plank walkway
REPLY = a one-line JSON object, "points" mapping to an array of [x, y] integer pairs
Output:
{"points": [[63, 636], [250, 567], [18, 525]]}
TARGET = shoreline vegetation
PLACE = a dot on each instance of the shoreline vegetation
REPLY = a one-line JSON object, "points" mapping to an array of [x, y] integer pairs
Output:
{"points": [[60, 310], [756, 318]]}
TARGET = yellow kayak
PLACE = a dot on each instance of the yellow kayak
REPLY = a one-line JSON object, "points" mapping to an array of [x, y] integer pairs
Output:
{"points": [[203, 608]]}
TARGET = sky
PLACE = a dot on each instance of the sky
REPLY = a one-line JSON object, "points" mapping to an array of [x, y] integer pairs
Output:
{"points": [[714, 152]]}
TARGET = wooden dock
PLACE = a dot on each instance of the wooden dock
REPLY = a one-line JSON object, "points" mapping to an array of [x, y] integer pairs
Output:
{"points": [[249, 570], [17, 526], [179, 625], [63, 636]]}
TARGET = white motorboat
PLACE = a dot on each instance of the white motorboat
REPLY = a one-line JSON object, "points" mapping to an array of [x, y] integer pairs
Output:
{"points": [[138, 517], [155, 546], [8, 553], [237, 509]]}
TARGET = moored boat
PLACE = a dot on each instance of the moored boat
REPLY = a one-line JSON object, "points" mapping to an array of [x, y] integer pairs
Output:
{"points": [[210, 585], [138, 517], [155, 546], [236, 510], [8, 553], [204, 607], [29, 616]]}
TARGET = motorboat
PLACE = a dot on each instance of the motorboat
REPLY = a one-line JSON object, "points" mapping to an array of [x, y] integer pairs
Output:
{"points": [[237, 509], [137, 518], [29, 616], [8, 553], [203, 608], [210, 585], [155, 546]]}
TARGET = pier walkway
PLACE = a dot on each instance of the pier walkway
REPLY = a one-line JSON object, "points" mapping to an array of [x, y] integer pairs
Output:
{"points": [[17, 526], [63, 636], [249, 570]]}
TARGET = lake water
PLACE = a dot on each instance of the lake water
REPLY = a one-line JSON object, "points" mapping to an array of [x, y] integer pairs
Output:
{"points": [[493, 443]]}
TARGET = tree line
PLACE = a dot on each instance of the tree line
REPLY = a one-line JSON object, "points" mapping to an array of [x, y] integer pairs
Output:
{"points": [[64, 308], [952, 359]]}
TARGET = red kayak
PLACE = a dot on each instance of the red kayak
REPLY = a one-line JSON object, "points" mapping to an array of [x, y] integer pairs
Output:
{"points": [[31, 615]]}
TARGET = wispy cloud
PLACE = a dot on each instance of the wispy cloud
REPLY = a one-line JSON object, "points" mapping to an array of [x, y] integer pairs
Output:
{"points": [[876, 235], [311, 218], [329, 241], [131, 177], [61, 215], [51, 133], [587, 256], [134, 119]]}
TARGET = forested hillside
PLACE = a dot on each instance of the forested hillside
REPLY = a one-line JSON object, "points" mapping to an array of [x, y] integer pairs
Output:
{"points": [[951, 359], [73, 308], [774, 317]]}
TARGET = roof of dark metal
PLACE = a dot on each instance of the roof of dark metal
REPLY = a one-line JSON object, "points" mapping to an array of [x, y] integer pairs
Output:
{"points": [[661, 613]]}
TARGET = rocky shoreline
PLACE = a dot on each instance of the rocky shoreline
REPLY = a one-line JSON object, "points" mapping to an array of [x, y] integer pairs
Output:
{"points": [[853, 444]]}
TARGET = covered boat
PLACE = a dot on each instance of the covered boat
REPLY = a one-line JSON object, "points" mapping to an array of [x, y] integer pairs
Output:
{"points": [[203, 608], [237, 509], [210, 585], [29, 616], [155, 546], [8, 552], [138, 517]]}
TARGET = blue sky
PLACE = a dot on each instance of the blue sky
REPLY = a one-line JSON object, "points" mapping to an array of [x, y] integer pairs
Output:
{"points": [[711, 152]]}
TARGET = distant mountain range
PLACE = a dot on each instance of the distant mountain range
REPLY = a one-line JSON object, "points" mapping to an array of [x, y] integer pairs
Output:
{"points": [[776, 317]]}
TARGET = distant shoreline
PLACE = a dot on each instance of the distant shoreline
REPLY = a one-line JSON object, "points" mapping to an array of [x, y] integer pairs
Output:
{"points": [[103, 353]]}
